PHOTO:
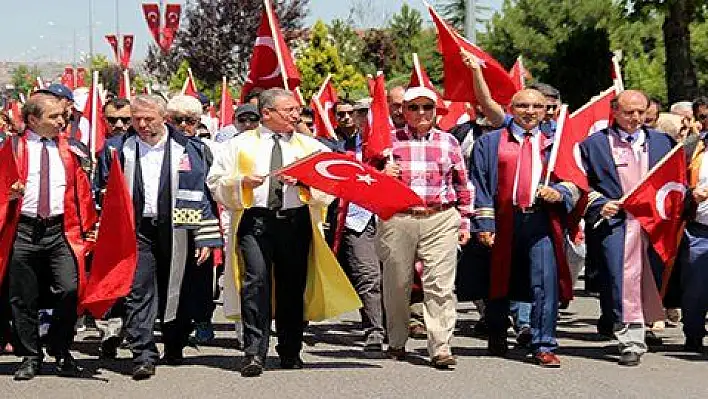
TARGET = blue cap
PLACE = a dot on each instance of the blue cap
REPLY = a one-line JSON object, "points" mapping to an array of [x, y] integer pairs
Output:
{"points": [[203, 99], [58, 90]]}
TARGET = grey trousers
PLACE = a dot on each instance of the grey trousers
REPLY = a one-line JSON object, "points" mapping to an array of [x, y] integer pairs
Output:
{"points": [[358, 258], [631, 338]]}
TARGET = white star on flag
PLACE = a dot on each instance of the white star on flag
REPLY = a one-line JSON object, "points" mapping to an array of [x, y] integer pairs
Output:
{"points": [[365, 179]]}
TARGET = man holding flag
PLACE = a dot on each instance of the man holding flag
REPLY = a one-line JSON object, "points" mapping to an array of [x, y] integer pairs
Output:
{"points": [[615, 160]]}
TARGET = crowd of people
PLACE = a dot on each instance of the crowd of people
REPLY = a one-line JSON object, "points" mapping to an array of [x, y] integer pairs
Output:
{"points": [[207, 204]]}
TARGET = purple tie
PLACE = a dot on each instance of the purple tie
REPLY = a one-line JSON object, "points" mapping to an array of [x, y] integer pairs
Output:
{"points": [[43, 209]]}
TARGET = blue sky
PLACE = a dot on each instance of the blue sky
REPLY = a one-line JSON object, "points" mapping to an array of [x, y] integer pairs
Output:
{"points": [[44, 30]]}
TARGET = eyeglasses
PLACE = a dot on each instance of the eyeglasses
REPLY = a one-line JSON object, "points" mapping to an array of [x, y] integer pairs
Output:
{"points": [[114, 119], [290, 110], [249, 118], [342, 114], [424, 107], [536, 106], [186, 119]]}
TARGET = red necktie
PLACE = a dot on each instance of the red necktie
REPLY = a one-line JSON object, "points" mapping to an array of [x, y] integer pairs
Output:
{"points": [[524, 196], [43, 210]]}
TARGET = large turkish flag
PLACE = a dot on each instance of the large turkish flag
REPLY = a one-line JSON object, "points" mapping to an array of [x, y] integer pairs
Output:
{"points": [[343, 176], [658, 203]]}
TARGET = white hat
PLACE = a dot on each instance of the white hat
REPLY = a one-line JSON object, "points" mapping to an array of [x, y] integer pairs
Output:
{"points": [[419, 91]]}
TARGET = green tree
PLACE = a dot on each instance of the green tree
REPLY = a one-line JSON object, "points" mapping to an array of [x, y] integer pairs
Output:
{"points": [[405, 29], [24, 78], [320, 58]]}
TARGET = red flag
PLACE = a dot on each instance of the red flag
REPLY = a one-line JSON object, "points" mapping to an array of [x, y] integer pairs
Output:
{"points": [[38, 84], [519, 73], [93, 112], [272, 64], [343, 176], [458, 77], [323, 109], [124, 90], [190, 88], [115, 255], [80, 77], [152, 17], [226, 108], [658, 203], [420, 78], [15, 113], [458, 113], [127, 51], [172, 14], [67, 78], [9, 175], [113, 41], [376, 134]]}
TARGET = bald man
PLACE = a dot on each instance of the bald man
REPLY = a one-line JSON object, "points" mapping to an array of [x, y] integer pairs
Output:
{"points": [[515, 213], [615, 159]]}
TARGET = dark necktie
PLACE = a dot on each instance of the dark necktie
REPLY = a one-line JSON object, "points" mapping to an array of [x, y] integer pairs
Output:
{"points": [[275, 188], [630, 139], [524, 197], [43, 209]]}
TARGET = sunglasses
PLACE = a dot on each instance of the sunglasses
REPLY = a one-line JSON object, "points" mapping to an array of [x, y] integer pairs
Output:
{"points": [[529, 105], [249, 118], [114, 119], [342, 114], [424, 107], [186, 119]]}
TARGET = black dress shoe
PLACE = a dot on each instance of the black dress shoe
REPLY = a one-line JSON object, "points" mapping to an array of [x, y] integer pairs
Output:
{"points": [[629, 359], [173, 358], [694, 345], [143, 371], [252, 366], [291, 362], [497, 346], [67, 367], [109, 348], [28, 369]]}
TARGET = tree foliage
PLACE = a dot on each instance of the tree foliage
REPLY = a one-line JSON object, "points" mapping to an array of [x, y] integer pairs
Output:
{"points": [[24, 78], [320, 58], [216, 38]]}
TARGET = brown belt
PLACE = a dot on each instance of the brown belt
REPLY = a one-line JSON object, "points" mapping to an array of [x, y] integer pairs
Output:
{"points": [[428, 210]]}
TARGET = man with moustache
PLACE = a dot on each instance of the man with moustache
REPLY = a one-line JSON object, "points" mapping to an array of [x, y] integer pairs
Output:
{"points": [[117, 114]]}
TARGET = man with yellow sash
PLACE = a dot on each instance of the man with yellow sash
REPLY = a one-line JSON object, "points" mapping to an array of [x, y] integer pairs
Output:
{"points": [[275, 243]]}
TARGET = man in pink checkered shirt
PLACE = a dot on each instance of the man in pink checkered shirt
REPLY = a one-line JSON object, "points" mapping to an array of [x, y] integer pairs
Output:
{"points": [[430, 162]]}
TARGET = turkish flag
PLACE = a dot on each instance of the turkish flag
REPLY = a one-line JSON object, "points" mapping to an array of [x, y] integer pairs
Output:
{"points": [[519, 74], [376, 133], [93, 112], [80, 77], [343, 176], [151, 12], [272, 64], [458, 77], [458, 113], [127, 51], [322, 105], [115, 255], [124, 90], [226, 108], [113, 41], [172, 15], [420, 78], [8, 174], [67, 78], [190, 88], [658, 203]]}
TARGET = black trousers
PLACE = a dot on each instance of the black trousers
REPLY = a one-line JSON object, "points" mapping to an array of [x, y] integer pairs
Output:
{"points": [[41, 262], [277, 243], [143, 303]]}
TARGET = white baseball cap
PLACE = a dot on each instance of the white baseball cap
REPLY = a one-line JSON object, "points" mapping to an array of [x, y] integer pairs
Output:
{"points": [[419, 91]]}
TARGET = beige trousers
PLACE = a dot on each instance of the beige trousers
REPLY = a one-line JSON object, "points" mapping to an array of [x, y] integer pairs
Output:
{"points": [[432, 239]]}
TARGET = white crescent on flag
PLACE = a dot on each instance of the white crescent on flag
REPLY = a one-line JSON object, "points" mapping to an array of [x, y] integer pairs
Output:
{"points": [[322, 168], [173, 17], [153, 17], [270, 43], [663, 192]]}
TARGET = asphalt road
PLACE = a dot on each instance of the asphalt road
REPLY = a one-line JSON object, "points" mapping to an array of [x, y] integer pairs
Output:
{"points": [[336, 367]]}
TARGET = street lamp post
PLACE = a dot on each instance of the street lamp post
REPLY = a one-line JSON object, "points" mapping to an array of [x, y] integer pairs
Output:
{"points": [[90, 7], [471, 21]]}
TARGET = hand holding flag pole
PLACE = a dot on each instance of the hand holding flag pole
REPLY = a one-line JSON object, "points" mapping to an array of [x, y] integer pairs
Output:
{"points": [[559, 135]]}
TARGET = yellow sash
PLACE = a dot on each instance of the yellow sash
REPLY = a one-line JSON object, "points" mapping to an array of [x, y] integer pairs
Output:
{"points": [[694, 169], [328, 292]]}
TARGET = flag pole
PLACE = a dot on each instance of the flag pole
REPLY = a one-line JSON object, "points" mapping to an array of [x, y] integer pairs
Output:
{"points": [[522, 69], [554, 151], [645, 178], [276, 42], [94, 95], [222, 106], [618, 81], [416, 67], [592, 101]]}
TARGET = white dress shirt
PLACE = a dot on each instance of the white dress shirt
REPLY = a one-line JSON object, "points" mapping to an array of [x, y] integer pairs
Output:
{"points": [[291, 154], [57, 177], [702, 211], [151, 158], [637, 141], [537, 164]]}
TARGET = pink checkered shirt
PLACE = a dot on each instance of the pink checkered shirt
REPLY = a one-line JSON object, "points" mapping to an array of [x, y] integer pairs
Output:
{"points": [[433, 167]]}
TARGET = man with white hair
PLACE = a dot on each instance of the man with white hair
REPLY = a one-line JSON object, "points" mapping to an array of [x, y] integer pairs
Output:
{"points": [[430, 162]]}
